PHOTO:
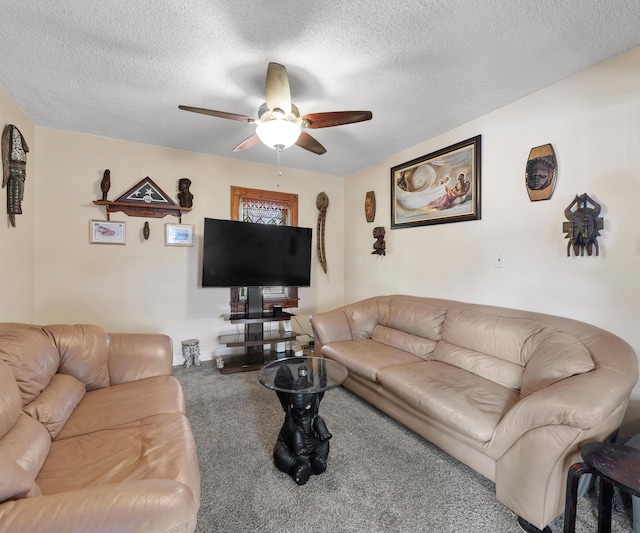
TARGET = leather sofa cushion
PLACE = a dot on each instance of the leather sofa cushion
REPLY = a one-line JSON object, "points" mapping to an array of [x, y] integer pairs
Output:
{"points": [[119, 404], [53, 407], [492, 368], [10, 400], [32, 356], [502, 337], [364, 316], [404, 341], [15, 482], [416, 318], [366, 357], [27, 443], [461, 400], [556, 357], [84, 353], [158, 447]]}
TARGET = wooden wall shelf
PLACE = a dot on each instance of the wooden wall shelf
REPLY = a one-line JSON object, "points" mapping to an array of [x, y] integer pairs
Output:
{"points": [[137, 210]]}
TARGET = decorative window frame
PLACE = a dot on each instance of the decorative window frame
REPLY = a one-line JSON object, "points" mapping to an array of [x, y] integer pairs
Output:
{"points": [[291, 299]]}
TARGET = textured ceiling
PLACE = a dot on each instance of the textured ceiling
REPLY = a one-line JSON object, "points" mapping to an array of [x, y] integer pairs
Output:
{"points": [[119, 68]]}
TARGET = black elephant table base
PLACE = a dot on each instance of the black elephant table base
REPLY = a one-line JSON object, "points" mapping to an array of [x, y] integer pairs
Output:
{"points": [[302, 447], [303, 443]]}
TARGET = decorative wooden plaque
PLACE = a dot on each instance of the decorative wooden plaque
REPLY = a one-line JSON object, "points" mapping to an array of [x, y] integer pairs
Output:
{"points": [[540, 175], [370, 206]]}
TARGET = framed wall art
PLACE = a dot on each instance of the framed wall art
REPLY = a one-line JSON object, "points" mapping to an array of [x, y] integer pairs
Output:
{"points": [[107, 232], [440, 187], [178, 235]]}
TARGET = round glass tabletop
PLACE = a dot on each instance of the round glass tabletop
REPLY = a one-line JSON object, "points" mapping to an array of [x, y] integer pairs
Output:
{"points": [[302, 374]]}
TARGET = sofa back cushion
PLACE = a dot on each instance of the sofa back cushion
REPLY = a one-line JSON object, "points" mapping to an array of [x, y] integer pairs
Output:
{"points": [[487, 366], [84, 353], [10, 400], [53, 407], [493, 347], [364, 316], [416, 318], [32, 356], [556, 356], [404, 341]]}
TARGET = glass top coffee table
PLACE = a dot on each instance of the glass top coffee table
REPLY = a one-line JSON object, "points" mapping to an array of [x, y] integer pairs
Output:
{"points": [[302, 374], [302, 447]]}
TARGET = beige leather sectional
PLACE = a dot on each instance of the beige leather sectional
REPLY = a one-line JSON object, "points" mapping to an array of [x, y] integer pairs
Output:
{"points": [[93, 433], [512, 394]]}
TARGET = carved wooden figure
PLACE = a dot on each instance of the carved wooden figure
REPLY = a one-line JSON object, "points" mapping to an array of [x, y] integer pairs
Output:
{"points": [[105, 184], [583, 225], [14, 169], [379, 246], [322, 202], [184, 196]]}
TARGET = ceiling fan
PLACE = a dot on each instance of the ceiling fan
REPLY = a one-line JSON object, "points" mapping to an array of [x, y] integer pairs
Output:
{"points": [[279, 124]]}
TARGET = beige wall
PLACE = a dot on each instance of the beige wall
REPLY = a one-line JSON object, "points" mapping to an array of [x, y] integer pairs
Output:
{"points": [[146, 286], [593, 122], [17, 250]]}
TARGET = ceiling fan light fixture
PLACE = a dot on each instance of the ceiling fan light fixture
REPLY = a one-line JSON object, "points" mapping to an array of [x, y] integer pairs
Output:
{"points": [[278, 133]]}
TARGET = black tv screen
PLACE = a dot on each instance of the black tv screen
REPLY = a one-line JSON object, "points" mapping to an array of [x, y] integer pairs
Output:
{"points": [[244, 254]]}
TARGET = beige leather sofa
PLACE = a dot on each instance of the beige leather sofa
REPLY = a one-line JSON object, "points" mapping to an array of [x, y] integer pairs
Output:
{"points": [[93, 433], [512, 394]]}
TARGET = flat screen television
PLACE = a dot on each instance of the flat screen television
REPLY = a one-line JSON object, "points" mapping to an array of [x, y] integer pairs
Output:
{"points": [[244, 254]]}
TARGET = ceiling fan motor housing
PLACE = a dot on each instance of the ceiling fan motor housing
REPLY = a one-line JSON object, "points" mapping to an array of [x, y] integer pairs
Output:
{"points": [[265, 114]]}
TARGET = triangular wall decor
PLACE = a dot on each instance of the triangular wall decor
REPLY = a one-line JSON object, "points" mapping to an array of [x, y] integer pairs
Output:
{"points": [[144, 199], [146, 192]]}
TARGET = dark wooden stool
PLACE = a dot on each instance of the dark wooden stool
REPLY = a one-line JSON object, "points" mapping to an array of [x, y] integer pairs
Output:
{"points": [[613, 465]]}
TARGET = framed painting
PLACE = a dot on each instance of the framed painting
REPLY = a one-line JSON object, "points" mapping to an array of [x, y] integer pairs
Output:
{"points": [[107, 232], [440, 187], [178, 235]]}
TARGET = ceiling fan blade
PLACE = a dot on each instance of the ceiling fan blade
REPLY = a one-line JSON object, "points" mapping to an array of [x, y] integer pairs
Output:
{"points": [[309, 143], [278, 93], [335, 118], [247, 143], [219, 114]]}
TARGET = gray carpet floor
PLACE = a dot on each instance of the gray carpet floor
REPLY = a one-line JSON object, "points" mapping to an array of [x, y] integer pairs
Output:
{"points": [[381, 476]]}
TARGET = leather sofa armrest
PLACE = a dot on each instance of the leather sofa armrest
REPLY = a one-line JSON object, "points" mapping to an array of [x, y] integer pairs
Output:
{"points": [[134, 356], [330, 326], [146, 505], [582, 402]]}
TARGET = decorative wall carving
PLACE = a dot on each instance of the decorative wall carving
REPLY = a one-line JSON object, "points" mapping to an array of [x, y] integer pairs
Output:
{"points": [[14, 169], [379, 247], [322, 202], [583, 225], [540, 176], [370, 206]]}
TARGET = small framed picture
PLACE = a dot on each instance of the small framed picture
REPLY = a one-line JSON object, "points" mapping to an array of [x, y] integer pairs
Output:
{"points": [[107, 232], [178, 235]]}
